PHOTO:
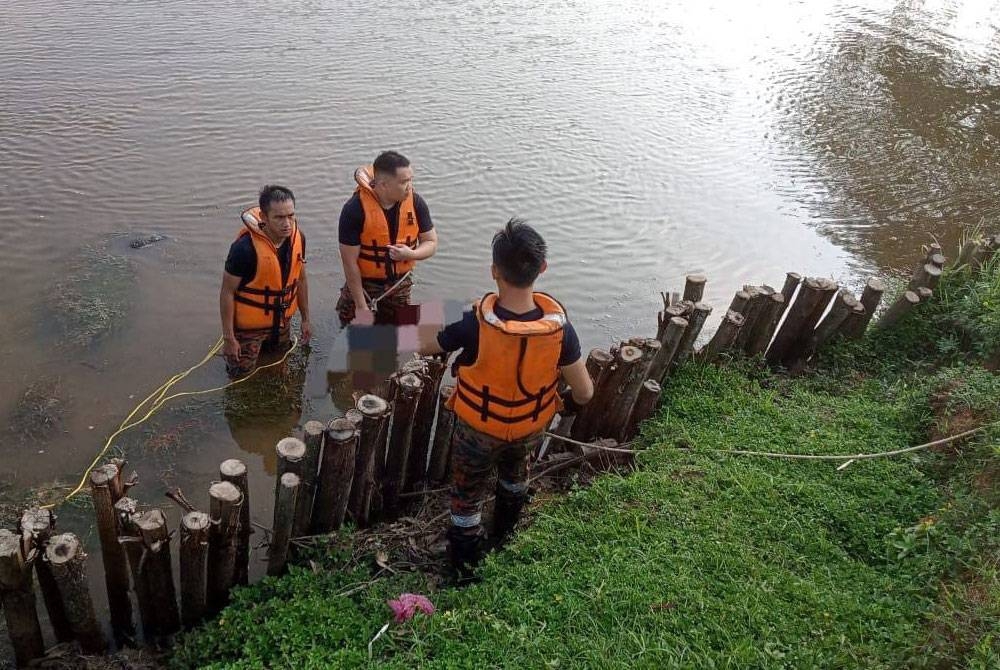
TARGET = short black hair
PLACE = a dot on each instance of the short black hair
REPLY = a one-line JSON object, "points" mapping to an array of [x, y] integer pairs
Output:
{"points": [[388, 162], [518, 253], [271, 194]]}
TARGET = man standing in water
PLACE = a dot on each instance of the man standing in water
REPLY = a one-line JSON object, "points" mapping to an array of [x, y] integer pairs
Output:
{"points": [[385, 228], [264, 282]]}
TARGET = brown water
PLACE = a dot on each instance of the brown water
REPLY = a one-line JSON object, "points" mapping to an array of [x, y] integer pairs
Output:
{"points": [[645, 141]]}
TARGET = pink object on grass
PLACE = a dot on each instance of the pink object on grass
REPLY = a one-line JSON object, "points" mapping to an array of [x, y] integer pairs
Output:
{"points": [[409, 604]]}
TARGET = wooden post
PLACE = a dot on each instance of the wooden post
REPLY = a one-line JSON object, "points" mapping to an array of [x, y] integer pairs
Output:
{"points": [[756, 312], [106, 489], [724, 338], [899, 309], [798, 320], [130, 539], [924, 294], [761, 332], [593, 420], [694, 287], [193, 563], [857, 322], [699, 314], [740, 301], [645, 405], [281, 528], [314, 432], [600, 365], [621, 410], [430, 371], [292, 457], [441, 451], [69, 566], [157, 571], [335, 475], [927, 275], [671, 340], [792, 281], [234, 471], [408, 387], [354, 416], [371, 450], [37, 526], [18, 600], [843, 305], [612, 412], [223, 539], [934, 250]]}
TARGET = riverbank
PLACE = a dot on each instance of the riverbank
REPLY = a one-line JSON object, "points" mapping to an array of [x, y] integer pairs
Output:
{"points": [[700, 558]]}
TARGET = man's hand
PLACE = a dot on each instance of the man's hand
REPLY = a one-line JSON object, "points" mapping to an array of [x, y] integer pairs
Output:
{"points": [[401, 252], [307, 331], [363, 316], [231, 347]]}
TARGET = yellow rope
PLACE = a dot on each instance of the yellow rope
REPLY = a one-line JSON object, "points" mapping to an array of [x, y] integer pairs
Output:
{"points": [[159, 397]]}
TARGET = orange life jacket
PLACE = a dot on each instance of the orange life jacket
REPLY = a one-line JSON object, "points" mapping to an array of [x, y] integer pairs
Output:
{"points": [[373, 260], [510, 391], [266, 301]]}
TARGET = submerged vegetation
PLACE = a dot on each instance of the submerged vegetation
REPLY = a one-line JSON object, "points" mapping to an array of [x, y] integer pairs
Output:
{"points": [[92, 297]]}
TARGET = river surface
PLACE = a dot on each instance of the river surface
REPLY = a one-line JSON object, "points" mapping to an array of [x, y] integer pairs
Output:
{"points": [[645, 140]]}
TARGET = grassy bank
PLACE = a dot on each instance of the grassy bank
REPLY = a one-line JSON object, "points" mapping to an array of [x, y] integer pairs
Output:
{"points": [[702, 559]]}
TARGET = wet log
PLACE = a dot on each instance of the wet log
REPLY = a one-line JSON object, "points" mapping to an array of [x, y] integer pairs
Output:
{"points": [[313, 434], [899, 309], [857, 323], [223, 541], [724, 338], [740, 301], [156, 570], [441, 448], [760, 299], [934, 251], [432, 369], [292, 457], [694, 288], [37, 526], [234, 471], [645, 405], [336, 472], [593, 417], [371, 446], [669, 312], [193, 566], [130, 538], [927, 275], [843, 305], [792, 282], [670, 341], [696, 320], [622, 409], [600, 365], [281, 527], [760, 333], [629, 372], [799, 321], [407, 395], [69, 567], [106, 489], [18, 598]]}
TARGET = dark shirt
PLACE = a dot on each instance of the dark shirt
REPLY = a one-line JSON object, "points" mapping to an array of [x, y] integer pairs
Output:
{"points": [[352, 219], [464, 335], [242, 259]]}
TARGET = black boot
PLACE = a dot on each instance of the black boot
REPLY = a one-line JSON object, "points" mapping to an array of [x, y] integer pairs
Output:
{"points": [[464, 554], [506, 512]]}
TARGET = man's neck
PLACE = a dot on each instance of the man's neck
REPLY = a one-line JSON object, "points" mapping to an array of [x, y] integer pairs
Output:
{"points": [[276, 242], [386, 204], [516, 300]]}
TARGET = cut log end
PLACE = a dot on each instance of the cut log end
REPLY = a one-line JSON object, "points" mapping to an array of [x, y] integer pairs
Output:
{"points": [[63, 549], [196, 521], [312, 429], [225, 492], [233, 467], [104, 474], [341, 430], [292, 448], [290, 480], [372, 406]]}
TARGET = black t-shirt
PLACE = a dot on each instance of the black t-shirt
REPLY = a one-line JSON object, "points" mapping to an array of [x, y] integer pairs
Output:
{"points": [[352, 219], [464, 335], [242, 259]]}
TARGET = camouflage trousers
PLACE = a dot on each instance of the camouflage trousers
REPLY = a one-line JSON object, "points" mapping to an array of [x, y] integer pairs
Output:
{"points": [[474, 458], [254, 343], [387, 306]]}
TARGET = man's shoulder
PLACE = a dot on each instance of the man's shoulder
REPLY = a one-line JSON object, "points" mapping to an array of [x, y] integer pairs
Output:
{"points": [[242, 245]]}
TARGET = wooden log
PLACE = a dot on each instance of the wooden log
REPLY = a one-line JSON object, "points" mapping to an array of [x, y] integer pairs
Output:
{"points": [[281, 527], [671, 340], [371, 445], [407, 394], [843, 305], [592, 420], [292, 457], [938, 260], [762, 330], [899, 309], [313, 434], [645, 405], [234, 471], [933, 249], [621, 410], [354, 416], [740, 301], [792, 282], [18, 598], [193, 565], [760, 299], [106, 488], [441, 450], [696, 320], [798, 349], [798, 321], [669, 312], [601, 365], [69, 566], [927, 275], [336, 473], [223, 540], [724, 338], [694, 287], [925, 294], [156, 570], [629, 366], [130, 538], [431, 371], [856, 323], [37, 526]]}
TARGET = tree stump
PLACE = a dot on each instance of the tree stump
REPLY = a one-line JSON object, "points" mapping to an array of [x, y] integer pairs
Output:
{"points": [[792, 282], [724, 338], [37, 526], [106, 489], [761, 332], [157, 571], [645, 405], [193, 565], [899, 309], [798, 321], [694, 287], [371, 447], [857, 322], [696, 320], [69, 567], [740, 301], [293, 457], [441, 450], [336, 473], [223, 541], [408, 387], [234, 471], [670, 341], [18, 600], [281, 528], [430, 374], [131, 540], [313, 434]]}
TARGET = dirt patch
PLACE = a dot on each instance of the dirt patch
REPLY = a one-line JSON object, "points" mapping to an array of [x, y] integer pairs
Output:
{"points": [[68, 657], [951, 417]]}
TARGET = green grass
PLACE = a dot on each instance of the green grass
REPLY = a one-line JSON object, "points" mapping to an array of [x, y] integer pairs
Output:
{"points": [[702, 559]]}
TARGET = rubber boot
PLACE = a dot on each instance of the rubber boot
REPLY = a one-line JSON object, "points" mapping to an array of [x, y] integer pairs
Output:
{"points": [[506, 512], [464, 554]]}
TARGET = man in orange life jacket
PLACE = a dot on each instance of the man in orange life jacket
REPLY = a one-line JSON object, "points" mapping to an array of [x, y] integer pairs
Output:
{"points": [[264, 282], [385, 228], [516, 344]]}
